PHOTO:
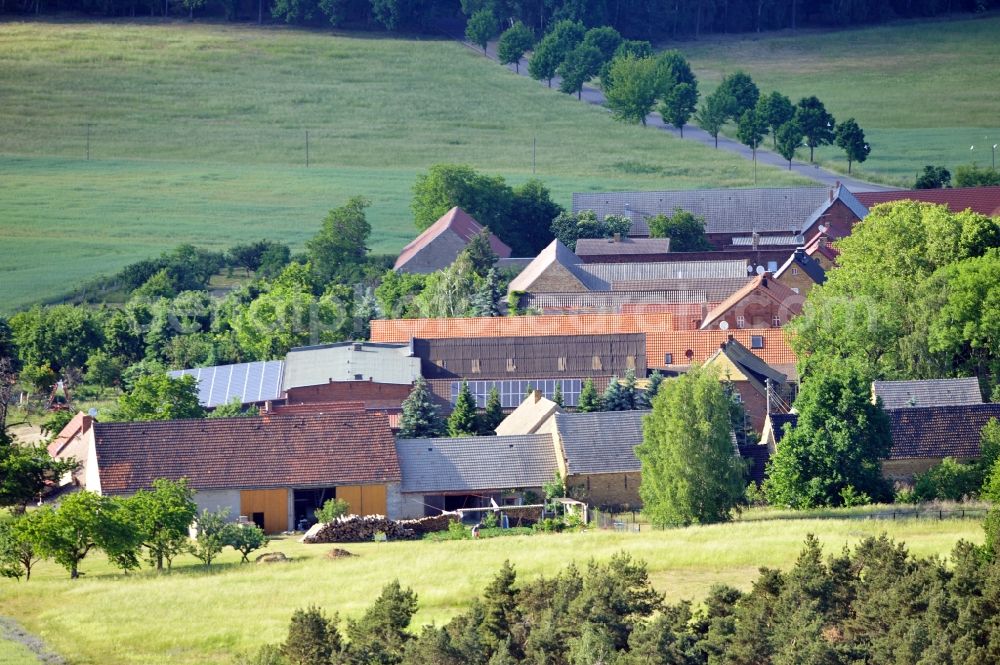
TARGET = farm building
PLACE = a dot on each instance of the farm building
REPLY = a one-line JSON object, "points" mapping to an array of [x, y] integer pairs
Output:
{"points": [[441, 243]]}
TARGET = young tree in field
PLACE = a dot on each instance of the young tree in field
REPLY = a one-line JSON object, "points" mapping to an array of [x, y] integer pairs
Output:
{"points": [[162, 516], [743, 91], [631, 88], [788, 138], [579, 66], [816, 123], [493, 414], [160, 397], [679, 105], [420, 416], [590, 401], [933, 177], [751, 131], [713, 113], [339, 249], [312, 639], [482, 26], [551, 51], [685, 230], [514, 42], [605, 39], [690, 473], [380, 635], [851, 139], [17, 552], [246, 538], [463, 421], [82, 522], [213, 535], [775, 110], [832, 456]]}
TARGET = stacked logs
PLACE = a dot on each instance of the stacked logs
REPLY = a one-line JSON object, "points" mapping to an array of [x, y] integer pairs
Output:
{"points": [[365, 528]]}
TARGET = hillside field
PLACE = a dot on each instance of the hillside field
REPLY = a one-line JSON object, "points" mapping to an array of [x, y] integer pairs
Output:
{"points": [[924, 92], [198, 133], [194, 617]]}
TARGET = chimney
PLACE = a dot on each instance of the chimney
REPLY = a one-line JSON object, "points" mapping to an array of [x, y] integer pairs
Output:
{"points": [[800, 253], [763, 280], [704, 310], [357, 346], [731, 337], [831, 196], [537, 394]]}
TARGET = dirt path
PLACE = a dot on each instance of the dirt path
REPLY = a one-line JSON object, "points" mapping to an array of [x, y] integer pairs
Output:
{"points": [[693, 133], [10, 630]]}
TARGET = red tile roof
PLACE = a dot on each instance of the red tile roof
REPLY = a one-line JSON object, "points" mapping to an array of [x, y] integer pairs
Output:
{"points": [[824, 245], [402, 330], [984, 200], [79, 424], [704, 343], [939, 431], [317, 407], [302, 450], [764, 285], [457, 221]]}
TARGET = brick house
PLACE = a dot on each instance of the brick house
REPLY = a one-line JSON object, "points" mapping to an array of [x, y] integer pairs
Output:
{"points": [[441, 243], [981, 200], [273, 470], [71, 443], [801, 272], [756, 382], [923, 436], [763, 303]]}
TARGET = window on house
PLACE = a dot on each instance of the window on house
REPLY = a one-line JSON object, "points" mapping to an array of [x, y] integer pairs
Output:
{"points": [[756, 341], [441, 363], [510, 365], [772, 266], [596, 363], [795, 289], [668, 359], [476, 368], [775, 321], [795, 271], [741, 321], [630, 362], [562, 363], [737, 397]]}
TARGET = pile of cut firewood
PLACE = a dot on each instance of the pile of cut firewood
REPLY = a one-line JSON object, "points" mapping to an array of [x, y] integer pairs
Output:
{"points": [[365, 528]]}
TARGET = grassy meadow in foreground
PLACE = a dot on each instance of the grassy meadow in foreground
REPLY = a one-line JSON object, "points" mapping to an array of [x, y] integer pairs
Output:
{"points": [[923, 91], [193, 617], [198, 133]]}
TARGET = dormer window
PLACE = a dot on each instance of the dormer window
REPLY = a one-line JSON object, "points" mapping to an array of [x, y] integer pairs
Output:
{"points": [[511, 367], [561, 363], [595, 363], [476, 369], [756, 341]]}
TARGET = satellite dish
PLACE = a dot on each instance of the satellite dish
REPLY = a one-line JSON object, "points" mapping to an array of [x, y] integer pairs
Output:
{"points": [[723, 325], [92, 412], [761, 270], [749, 269]]}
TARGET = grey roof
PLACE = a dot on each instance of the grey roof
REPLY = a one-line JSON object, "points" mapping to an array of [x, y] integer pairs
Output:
{"points": [[725, 210], [473, 464], [251, 382], [804, 262], [928, 392], [790, 240], [755, 368], [603, 276], [602, 442], [843, 195], [350, 361], [555, 254], [624, 246]]}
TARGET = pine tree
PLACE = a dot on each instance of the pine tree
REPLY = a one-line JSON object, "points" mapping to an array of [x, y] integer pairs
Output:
{"points": [[500, 611], [486, 299], [645, 399], [493, 414], [617, 396], [557, 396], [463, 421], [590, 401], [420, 415]]}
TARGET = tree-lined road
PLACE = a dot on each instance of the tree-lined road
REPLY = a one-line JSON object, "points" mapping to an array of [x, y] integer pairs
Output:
{"points": [[594, 96]]}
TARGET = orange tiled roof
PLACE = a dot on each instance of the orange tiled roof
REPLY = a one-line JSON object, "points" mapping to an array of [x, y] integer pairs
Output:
{"points": [[401, 330], [703, 343], [764, 285]]}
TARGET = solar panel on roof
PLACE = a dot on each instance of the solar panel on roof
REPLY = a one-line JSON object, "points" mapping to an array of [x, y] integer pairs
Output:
{"points": [[250, 382]]}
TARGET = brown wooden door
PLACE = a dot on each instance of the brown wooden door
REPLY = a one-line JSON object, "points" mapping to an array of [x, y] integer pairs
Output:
{"points": [[272, 503]]}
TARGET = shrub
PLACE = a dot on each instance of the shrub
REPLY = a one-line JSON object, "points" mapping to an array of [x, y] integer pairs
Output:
{"points": [[245, 538], [332, 509], [312, 638], [950, 480]]}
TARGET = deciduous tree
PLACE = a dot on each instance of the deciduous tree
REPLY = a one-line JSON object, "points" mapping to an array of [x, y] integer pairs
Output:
{"points": [[816, 123], [714, 111], [160, 397], [744, 92], [685, 230], [631, 87], [481, 27], [690, 473], [579, 66], [775, 110], [679, 105], [851, 139], [514, 42], [339, 249], [788, 138]]}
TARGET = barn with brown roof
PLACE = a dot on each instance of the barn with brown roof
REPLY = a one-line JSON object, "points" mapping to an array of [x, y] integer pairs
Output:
{"points": [[441, 243], [984, 200], [273, 470], [923, 436]]}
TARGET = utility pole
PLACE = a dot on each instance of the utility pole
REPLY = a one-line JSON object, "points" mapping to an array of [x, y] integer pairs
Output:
{"points": [[88, 141], [534, 141], [307, 148]]}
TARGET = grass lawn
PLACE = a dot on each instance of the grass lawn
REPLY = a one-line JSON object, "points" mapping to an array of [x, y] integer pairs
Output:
{"points": [[197, 133], [191, 616], [922, 91], [12, 653]]}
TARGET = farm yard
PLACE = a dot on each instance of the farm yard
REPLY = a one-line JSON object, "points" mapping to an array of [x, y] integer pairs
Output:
{"points": [[206, 616]]}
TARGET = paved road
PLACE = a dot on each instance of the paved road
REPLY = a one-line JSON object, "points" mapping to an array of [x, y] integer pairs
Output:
{"points": [[692, 133]]}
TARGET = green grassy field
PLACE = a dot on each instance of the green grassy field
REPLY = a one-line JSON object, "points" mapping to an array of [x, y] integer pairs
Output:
{"points": [[924, 92], [193, 617], [197, 133]]}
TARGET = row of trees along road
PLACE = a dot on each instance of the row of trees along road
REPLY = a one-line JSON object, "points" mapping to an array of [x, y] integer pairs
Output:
{"points": [[636, 82]]}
